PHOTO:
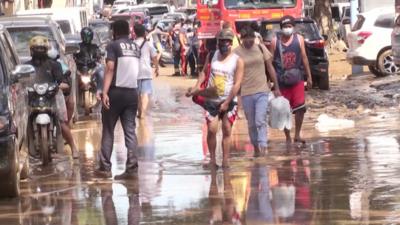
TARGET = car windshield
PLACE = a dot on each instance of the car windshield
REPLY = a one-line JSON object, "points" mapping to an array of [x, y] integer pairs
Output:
{"points": [[308, 30], [121, 3], [65, 26], [22, 35], [103, 30], [158, 10], [127, 18], [258, 4]]}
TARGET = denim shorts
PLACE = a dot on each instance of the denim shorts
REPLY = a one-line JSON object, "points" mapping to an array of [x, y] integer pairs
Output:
{"points": [[145, 86]]}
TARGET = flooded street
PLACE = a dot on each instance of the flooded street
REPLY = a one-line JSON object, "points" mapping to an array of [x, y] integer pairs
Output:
{"points": [[344, 176]]}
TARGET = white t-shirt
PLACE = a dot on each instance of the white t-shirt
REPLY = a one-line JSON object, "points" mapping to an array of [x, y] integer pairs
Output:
{"points": [[147, 53], [222, 75]]}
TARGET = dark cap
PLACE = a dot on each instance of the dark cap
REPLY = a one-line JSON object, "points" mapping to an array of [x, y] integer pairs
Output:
{"points": [[225, 34], [287, 20]]}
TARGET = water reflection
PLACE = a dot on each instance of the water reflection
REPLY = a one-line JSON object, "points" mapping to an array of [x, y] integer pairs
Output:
{"points": [[222, 199], [111, 201], [259, 207]]}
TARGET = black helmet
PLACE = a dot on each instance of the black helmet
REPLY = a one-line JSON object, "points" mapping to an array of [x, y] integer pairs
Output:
{"points": [[87, 35]]}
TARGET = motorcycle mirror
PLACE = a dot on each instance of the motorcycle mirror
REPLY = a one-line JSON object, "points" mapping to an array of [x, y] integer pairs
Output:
{"points": [[22, 71]]}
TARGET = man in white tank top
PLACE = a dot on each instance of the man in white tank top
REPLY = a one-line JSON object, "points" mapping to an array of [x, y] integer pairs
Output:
{"points": [[223, 86]]}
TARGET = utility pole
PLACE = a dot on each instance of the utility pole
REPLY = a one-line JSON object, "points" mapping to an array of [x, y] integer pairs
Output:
{"points": [[354, 7]]}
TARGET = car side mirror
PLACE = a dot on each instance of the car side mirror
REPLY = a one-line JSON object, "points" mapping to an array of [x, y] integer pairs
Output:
{"points": [[22, 72], [325, 37], [71, 48]]}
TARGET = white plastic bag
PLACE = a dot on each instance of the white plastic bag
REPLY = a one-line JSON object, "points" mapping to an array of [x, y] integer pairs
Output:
{"points": [[327, 123], [280, 113]]}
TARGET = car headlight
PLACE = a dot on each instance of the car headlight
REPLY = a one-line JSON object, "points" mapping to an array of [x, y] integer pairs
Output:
{"points": [[41, 88], [85, 79]]}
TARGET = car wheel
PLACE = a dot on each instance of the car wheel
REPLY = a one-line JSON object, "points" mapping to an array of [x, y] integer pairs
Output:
{"points": [[386, 63], [375, 71], [323, 82]]}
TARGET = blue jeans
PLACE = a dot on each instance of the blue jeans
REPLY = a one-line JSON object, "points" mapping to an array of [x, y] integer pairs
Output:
{"points": [[255, 109]]}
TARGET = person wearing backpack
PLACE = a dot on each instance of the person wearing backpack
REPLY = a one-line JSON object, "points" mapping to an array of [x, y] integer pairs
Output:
{"points": [[290, 62], [254, 88], [148, 54]]}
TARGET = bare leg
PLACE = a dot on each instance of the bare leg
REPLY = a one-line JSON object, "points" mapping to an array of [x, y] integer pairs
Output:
{"points": [[299, 117], [144, 102], [69, 101], [288, 138], [139, 112], [226, 140], [66, 132], [257, 151], [212, 140]]}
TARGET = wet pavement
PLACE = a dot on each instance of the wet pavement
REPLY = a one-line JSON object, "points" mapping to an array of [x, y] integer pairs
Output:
{"points": [[347, 176]]}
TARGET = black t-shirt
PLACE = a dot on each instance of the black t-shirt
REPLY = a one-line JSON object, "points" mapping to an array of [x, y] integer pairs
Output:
{"points": [[88, 52], [125, 53], [47, 71]]}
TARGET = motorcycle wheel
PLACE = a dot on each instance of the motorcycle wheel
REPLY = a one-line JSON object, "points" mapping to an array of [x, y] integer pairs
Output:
{"points": [[44, 145], [86, 102], [90, 101], [59, 140]]}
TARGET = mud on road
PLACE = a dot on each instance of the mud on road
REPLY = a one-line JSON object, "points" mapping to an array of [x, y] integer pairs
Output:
{"points": [[353, 95]]}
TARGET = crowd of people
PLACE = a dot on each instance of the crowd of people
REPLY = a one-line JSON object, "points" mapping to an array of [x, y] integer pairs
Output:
{"points": [[249, 72], [182, 38], [237, 67]]}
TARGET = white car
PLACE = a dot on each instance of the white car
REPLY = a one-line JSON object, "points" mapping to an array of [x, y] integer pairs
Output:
{"points": [[122, 4], [370, 41]]}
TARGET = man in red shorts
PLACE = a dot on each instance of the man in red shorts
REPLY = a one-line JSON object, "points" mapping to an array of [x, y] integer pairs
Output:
{"points": [[290, 62]]}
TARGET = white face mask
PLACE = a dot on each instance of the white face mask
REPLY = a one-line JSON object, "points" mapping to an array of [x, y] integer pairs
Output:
{"points": [[52, 53], [287, 31]]}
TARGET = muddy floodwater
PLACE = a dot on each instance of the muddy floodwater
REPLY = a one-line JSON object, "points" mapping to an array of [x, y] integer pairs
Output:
{"points": [[345, 176]]}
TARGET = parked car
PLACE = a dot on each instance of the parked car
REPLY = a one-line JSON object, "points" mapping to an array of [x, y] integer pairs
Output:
{"points": [[22, 29], [132, 18], [70, 19], [315, 47], [13, 118], [166, 23], [156, 11], [118, 4], [370, 41], [175, 16]]}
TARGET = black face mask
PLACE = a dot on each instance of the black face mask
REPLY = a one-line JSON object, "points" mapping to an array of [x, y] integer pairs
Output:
{"points": [[223, 48], [39, 55]]}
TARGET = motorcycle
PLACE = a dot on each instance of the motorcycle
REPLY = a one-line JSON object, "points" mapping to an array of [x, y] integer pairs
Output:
{"points": [[87, 85], [44, 130]]}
